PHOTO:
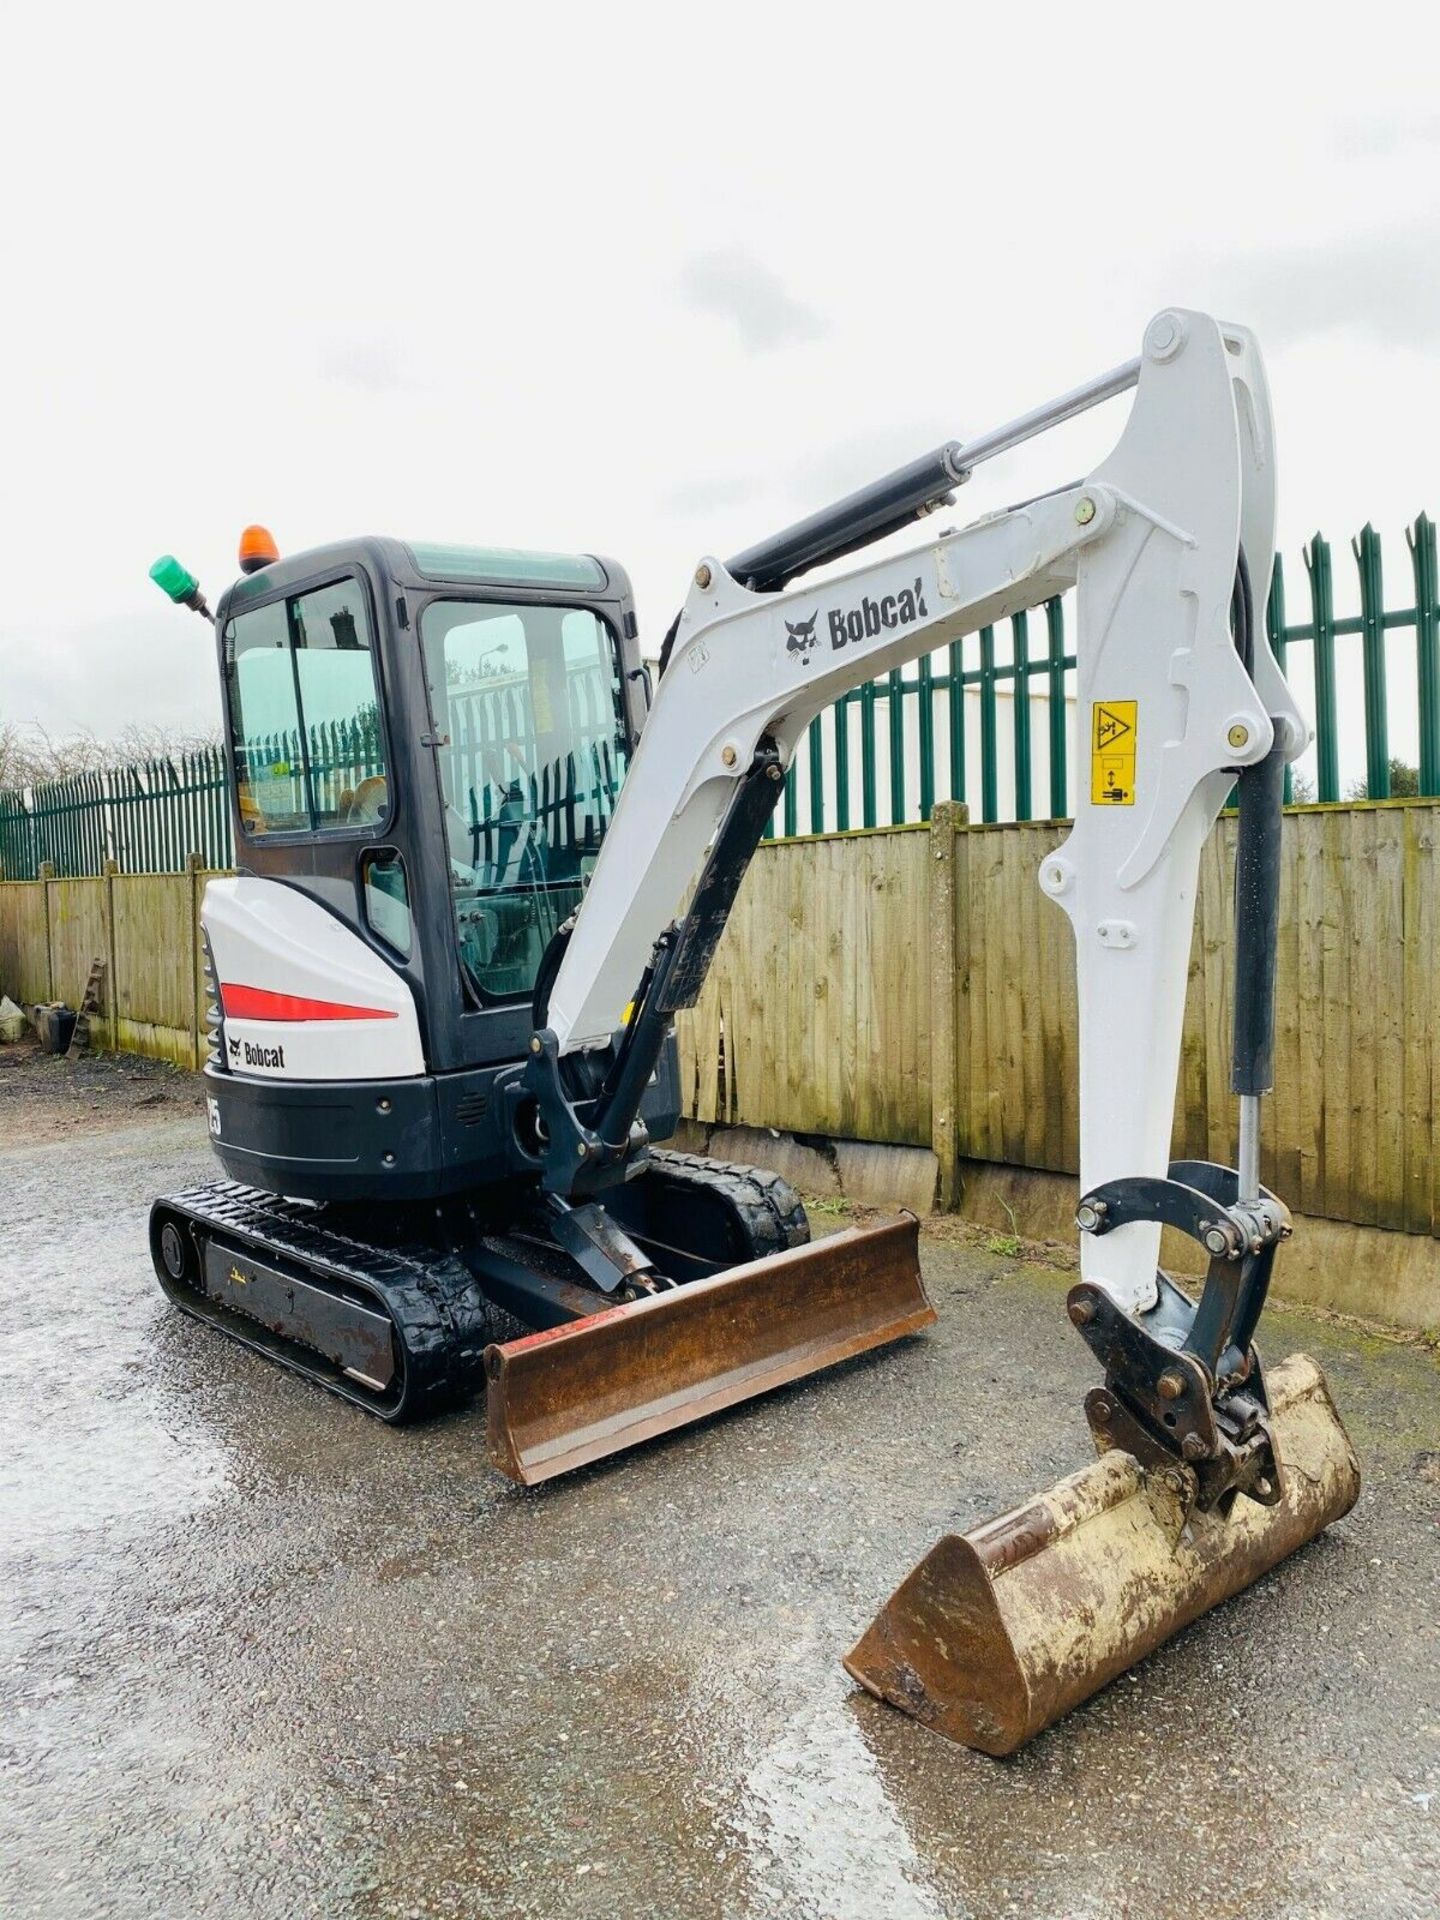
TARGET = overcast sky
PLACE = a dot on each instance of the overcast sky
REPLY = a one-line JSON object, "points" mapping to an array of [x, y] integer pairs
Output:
{"points": [[654, 281]]}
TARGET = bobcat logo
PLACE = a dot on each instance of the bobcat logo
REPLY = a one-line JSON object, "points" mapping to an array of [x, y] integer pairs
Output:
{"points": [[234, 1046], [801, 637]]}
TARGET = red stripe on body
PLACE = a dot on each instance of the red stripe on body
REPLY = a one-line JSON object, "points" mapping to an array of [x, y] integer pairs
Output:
{"points": [[258, 1003]]}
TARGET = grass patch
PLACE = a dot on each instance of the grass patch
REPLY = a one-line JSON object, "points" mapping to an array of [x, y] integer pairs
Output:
{"points": [[827, 1205], [1006, 1244]]}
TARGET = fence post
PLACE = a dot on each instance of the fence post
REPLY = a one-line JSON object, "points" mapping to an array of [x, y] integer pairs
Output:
{"points": [[989, 782], [867, 753], [1322, 603], [1057, 715], [45, 873], [112, 982], [1275, 634], [1372, 617], [1020, 715], [842, 761], [895, 715], [927, 737], [955, 706], [1421, 541], [946, 822], [817, 776]]}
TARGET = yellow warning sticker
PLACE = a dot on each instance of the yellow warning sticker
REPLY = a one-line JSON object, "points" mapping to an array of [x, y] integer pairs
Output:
{"points": [[1112, 752]]}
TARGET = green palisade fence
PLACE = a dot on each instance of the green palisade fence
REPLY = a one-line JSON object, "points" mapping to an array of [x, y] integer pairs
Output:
{"points": [[146, 817], [891, 748]]}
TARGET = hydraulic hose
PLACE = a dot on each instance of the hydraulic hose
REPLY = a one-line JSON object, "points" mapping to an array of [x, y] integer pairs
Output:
{"points": [[545, 974]]}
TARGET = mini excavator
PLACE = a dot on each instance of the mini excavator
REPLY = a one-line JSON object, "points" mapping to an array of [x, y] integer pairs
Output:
{"points": [[443, 980]]}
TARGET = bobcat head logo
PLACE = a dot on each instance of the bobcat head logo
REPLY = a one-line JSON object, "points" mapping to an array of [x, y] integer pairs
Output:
{"points": [[234, 1044], [801, 637]]}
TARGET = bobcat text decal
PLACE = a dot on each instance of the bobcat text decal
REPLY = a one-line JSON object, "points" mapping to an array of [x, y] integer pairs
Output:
{"points": [[872, 617]]}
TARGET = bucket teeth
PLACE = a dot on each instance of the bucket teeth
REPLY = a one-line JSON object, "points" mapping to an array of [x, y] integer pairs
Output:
{"points": [[573, 1394], [999, 1632]]}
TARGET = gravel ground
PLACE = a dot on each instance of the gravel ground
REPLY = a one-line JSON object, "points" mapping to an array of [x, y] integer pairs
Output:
{"points": [[44, 1096], [263, 1657]]}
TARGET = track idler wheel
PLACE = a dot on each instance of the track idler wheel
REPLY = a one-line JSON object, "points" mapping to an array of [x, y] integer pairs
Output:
{"points": [[174, 1256]]}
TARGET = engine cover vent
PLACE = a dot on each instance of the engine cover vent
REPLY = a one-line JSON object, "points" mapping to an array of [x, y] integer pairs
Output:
{"points": [[214, 1018]]}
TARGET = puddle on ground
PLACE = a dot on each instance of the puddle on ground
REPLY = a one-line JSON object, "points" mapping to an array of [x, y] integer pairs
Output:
{"points": [[820, 1831], [91, 1443], [97, 1431]]}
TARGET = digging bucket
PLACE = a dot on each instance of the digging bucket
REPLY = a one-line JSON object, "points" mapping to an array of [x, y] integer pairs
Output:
{"points": [[1001, 1631], [573, 1394]]}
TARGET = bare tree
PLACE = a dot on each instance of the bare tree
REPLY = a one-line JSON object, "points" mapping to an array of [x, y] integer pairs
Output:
{"points": [[11, 755], [30, 756], [144, 740]]}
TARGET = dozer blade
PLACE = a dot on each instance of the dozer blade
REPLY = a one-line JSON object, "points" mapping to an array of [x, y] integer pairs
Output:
{"points": [[562, 1398], [1000, 1631]]}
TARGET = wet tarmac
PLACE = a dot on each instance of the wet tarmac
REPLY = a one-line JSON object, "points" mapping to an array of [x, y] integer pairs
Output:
{"points": [[264, 1658]]}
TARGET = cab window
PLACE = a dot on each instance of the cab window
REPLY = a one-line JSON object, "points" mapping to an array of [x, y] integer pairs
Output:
{"points": [[304, 705], [386, 893], [531, 751]]}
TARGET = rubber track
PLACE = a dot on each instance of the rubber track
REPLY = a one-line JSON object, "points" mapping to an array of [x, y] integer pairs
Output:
{"points": [[768, 1208], [440, 1314], [442, 1320]]}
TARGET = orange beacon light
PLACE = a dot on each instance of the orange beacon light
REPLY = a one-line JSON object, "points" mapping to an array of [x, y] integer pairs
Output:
{"points": [[257, 549]]}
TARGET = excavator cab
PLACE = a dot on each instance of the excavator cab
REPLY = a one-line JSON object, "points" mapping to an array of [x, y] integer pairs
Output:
{"points": [[427, 745]]}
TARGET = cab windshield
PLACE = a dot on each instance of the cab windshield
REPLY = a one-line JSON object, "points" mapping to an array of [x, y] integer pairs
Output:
{"points": [[526, 702]]}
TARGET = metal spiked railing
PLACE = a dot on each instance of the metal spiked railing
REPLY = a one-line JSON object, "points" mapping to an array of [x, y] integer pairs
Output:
{"points": [[149, 816], [146, 816]]}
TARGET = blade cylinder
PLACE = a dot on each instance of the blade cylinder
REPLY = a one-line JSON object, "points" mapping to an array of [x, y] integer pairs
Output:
{"points": [[573, 1394], [999, 1632]]}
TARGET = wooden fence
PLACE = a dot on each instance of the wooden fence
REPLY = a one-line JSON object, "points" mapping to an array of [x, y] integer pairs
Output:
{"points": [[144, 926], [912, 985]]}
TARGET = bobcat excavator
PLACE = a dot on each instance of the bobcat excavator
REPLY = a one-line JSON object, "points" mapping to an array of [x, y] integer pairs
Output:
{"points": [[443, 982]]}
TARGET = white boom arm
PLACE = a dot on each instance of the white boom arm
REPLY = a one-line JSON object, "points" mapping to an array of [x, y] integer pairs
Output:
{"points": [[1165, 713]]}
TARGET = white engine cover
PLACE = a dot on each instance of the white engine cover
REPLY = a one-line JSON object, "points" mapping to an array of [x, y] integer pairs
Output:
{"points": [[304, 998]]}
